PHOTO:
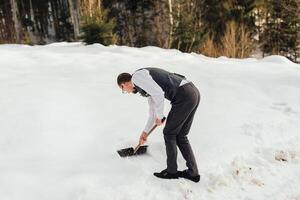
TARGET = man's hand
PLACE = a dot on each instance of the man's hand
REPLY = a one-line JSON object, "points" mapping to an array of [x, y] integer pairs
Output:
{"points": [[158, 121], [143, 138]]}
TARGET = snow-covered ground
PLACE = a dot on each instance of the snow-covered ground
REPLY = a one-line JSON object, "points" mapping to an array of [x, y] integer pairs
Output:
{"points": [[63, 118]]}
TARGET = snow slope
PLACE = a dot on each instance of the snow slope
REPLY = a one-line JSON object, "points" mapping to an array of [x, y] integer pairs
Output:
{"points": [[63, 118]]}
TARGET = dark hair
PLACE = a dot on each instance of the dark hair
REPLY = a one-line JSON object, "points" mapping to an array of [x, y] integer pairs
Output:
{"points": [[123, 78]]}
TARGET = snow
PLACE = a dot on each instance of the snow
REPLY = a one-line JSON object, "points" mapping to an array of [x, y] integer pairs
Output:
{"points": [[63, 118]]}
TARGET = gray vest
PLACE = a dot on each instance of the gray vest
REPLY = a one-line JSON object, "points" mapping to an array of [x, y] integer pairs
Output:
{"points": [[169, 82]]}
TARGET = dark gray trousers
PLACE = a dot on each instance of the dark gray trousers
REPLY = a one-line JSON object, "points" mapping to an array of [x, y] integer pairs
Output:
{"points": [[178, 124]]}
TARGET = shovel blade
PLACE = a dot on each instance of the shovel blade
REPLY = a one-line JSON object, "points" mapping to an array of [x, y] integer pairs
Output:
{"points": [[130, 151]]}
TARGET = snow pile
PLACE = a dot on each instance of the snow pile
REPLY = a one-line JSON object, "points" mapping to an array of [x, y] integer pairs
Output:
{"points": [[63, 118]]}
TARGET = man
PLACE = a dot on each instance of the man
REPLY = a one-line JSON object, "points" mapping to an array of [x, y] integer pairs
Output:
{"points": [[157, 84]]}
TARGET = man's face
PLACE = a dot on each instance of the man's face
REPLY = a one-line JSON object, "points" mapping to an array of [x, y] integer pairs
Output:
{"points": [[127, 87]]}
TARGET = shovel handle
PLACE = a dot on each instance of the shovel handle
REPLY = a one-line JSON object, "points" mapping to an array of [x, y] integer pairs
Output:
{"points": [[151, 130]]}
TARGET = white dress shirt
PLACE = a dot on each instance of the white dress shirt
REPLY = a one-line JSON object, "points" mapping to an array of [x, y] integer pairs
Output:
{"points": [[144, 80]]}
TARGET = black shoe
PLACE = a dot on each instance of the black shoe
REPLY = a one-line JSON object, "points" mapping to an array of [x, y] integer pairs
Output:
{"points": [[166, 175], [185, 174]]}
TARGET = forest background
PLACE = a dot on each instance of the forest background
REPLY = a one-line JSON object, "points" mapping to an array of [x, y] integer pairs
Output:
{"points": [[231, 28]]}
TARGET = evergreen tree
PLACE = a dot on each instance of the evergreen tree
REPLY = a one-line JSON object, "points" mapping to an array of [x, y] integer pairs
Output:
{"points": [[225, 22], [97, 28], [217, 14], [242, 13], [213, 18], [280, 34], [187, 32], [136, 24]]}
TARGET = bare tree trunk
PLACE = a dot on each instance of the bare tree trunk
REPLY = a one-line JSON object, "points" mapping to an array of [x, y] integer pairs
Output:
{"points": [[14, 9], [191, 45], [86, 7], [129, 32], [32, 33], [171, 24], [6, 25], [77, 19], [177, 23], [74, 16]]}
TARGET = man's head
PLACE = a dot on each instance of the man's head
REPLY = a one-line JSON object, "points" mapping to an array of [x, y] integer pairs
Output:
{"points": [[125, 83]]}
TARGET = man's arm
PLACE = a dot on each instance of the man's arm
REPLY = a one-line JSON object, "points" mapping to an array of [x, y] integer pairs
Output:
{"points": [[143, 79], [151, 118], [150, 122]]}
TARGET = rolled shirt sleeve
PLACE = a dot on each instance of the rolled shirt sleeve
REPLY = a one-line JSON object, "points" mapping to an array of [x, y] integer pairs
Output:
{"points": [[151, 118], [144, 80]]}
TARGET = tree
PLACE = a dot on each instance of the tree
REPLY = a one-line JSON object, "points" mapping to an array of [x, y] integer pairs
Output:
{"points": [[242, 12], [213, 18], [229, 28], [187, 31], [281, 29], [74, 14], [7, 29], [15, 14], [237, 41], [97, 28]]}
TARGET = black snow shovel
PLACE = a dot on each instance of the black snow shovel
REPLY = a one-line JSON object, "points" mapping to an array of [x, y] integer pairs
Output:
{"points": [[139, 149]]}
